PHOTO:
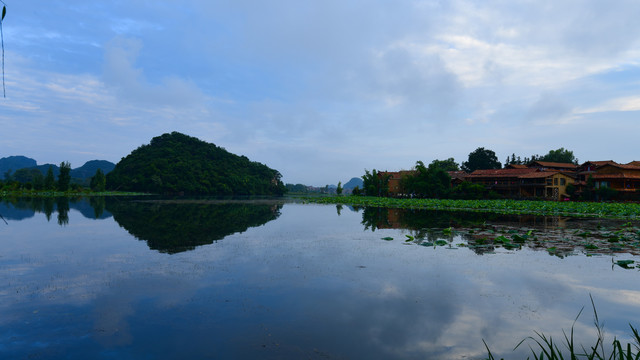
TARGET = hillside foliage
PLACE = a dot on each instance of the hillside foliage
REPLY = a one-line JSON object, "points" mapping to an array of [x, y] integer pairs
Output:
{"points": [[176, 163]]}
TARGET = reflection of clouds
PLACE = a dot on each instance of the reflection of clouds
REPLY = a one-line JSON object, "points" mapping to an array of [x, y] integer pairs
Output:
{"points": [[334, 288], [115, 308]]}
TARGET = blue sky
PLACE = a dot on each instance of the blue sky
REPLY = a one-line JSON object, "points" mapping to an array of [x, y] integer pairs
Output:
{"points": [[321, 90]]}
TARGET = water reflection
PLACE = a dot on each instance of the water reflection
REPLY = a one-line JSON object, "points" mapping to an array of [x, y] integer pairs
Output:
{"points": [[485, 232], [312, 284], [22, 208], [172, 227]]}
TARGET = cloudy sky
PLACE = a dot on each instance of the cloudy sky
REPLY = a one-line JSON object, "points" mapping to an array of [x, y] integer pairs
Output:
{"points": [[321, 90]]}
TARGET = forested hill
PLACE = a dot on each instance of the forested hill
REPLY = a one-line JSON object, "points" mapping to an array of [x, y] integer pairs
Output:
{"points": [[176, 163]]}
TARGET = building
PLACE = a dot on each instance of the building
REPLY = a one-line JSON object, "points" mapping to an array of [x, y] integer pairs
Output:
{"points": [[546, 184], [505, 182]]}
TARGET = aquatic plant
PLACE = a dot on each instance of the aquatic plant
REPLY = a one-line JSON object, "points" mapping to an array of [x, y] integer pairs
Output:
{"points": [[566, 208], [544, 347]]}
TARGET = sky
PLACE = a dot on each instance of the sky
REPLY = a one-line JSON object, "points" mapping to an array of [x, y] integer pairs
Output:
{"points": [[322, 90]]}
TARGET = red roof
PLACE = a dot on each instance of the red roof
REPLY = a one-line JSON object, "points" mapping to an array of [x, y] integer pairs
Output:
{"points": [[622, 166], [538, 174], [549, 164], [615, 176], [501, 172]]}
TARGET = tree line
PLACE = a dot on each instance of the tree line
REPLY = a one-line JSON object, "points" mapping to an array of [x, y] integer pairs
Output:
{"points": [[32, 179]]}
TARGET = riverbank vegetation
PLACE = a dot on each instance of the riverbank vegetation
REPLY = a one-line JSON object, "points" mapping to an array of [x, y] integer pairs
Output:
{"points": [[544, 347], [502, 206]]}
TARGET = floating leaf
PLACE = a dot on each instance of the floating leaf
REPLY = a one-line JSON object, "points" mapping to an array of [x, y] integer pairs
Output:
{"points": [[409, 238], [625, 264], [441, 242], [388, 238]]}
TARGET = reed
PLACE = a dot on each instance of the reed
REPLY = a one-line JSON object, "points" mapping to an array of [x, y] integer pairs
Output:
{"points": [[544, 347]]}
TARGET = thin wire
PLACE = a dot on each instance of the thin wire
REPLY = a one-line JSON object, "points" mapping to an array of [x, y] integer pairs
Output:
{"points": [[4, 89], [4, 9]]}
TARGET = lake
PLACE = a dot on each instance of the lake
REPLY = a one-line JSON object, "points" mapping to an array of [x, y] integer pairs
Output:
{"points": [[132, 278]]}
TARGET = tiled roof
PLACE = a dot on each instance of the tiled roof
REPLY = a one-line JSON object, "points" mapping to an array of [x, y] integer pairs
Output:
{"points": [[555, 164], [600, 163], [457, 174], [615, 176], [538, 174], [623, 166], [501, 172]]}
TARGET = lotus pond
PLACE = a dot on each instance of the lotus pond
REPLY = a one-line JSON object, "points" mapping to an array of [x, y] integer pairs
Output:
{"points": [[128, 278]]}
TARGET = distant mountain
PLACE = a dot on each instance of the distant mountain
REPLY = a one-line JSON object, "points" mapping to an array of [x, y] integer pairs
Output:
{"points": [[45, 167], [176, 163], [14, 163], [81, 174], [353, 183], [89, 169]]}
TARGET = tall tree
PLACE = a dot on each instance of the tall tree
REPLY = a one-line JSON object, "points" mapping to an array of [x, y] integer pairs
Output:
{"points": [[427, 182], [339, 188], [64, 178], [447, 165], [98, 181], [481, 159], [560, 156], [49, 179], [375, 183]]}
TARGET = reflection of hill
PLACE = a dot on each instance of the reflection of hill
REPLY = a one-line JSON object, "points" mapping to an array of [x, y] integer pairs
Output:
{"points": [[24, 208], [11, 212], [180, 226]]}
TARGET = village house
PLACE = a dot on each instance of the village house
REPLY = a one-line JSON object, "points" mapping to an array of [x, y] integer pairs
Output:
{"points": [[541, 179], [505, 182], [624, 178]]}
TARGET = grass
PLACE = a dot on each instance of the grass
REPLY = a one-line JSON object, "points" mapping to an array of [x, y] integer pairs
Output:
{"points": [[544, 347], [565, 208]]}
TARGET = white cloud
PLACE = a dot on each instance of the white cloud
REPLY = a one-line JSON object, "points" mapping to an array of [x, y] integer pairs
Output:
{"points": [[628, 103]]}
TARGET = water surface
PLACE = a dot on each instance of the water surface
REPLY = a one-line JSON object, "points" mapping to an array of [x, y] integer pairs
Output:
{"points": [[127, 279]]}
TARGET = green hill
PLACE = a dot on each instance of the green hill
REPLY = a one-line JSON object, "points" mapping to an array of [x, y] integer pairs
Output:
{"points": [[176, 163]]}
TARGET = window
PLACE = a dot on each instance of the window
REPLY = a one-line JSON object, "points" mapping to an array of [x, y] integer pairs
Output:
{"points": [[555, 181], [563, 181]]}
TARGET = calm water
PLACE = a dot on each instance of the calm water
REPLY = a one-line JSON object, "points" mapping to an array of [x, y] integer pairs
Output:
{"points": [[117, 279]]}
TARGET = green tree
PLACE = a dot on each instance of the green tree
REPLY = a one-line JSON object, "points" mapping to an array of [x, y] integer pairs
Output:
{"points": [[49, 179], [64, 178], [339, 188], [375, 183], [447, 165], [427, 182], [98, 181], [481, 159], [560, 156]]}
